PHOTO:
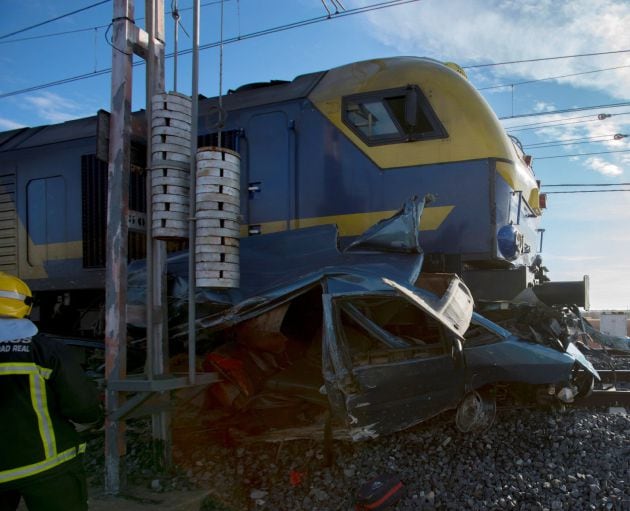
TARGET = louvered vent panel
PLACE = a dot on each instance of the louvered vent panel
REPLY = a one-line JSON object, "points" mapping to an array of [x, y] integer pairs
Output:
{"points": [[8, 224], [94, 188], [94, 191]]}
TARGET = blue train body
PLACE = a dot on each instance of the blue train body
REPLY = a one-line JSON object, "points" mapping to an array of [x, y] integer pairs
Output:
{"points": [[345, 146]]}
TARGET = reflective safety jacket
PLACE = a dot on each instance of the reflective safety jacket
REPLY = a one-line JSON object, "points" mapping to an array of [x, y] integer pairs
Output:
{"points": [[42, 388]]}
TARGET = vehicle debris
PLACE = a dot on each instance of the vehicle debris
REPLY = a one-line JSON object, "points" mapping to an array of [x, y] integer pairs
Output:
{"points": [[359, 339]]}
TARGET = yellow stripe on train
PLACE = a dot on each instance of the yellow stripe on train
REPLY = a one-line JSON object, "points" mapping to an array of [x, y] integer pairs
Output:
{"points": [[354, 224]]}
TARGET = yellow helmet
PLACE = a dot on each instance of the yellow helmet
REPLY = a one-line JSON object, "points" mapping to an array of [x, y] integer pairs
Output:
{"points": [[16, 299]]}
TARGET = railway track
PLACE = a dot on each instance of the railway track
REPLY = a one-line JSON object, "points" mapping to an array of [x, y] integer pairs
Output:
{"points": [[611, 397]]}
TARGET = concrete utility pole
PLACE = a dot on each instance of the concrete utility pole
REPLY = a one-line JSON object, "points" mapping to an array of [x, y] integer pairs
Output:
{"points": [[127, 41]]}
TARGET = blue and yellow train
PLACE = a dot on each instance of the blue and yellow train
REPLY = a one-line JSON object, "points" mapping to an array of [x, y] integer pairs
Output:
{"points": [[345, 146], [349, 145]]}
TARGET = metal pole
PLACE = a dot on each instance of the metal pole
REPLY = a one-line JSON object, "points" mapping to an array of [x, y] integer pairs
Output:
{"points": [[192, 334], [156, 253], [117, 213], [175, 44], [149, 91]]}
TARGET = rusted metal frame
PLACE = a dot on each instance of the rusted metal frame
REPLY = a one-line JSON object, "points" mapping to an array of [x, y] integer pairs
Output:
{"points": [[116, 259]]}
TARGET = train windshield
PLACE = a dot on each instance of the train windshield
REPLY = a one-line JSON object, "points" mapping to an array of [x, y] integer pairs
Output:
{"points": [[393, 115]]}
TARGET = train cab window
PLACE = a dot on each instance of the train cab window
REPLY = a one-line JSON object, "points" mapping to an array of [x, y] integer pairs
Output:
{"points": [[390, 116]]}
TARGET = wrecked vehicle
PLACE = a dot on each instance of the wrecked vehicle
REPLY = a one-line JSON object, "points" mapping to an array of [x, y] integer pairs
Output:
{"points": [[358, 342]]}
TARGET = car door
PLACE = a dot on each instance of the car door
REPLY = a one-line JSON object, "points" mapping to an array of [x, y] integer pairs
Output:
{"points": [[388, 364]]}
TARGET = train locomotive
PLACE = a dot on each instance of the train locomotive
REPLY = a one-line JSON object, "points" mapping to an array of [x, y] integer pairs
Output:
{"points": [[346, 146]]}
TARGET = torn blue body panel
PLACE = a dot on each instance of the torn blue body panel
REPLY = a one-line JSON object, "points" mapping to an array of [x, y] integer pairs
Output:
{"points": [[357, 335], [276, 264]]}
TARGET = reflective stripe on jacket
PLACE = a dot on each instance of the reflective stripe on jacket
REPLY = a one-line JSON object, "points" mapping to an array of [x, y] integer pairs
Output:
{"points": [[41, 389]]}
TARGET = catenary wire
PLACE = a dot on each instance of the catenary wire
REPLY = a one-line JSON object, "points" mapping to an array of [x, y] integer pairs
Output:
{"points": [[577, 155], [4, 36], [552, 121], [589, 191], [555, 122], [552, 78], [576, 141], [542, 59], [97, 27], [281, 28], [582, 184], [510, 130], [566, 110], [319, 19], [545, 145]]}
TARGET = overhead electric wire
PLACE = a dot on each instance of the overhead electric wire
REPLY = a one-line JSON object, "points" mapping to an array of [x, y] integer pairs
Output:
{"points": [[318, 19], [97, 27], [589, 185], [510, 130], [542, 59], [306, 22], [582, 184], [552, 78], [555, 122], [54, 34], [579, 154], [260, 33], [566, 110], [577, 141], [569, 140], [589, 191], [544, 145], [4, 36]]}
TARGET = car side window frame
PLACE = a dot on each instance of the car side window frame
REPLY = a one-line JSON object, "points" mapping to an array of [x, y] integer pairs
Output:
{"points": [[469, 343], [381, 335]]}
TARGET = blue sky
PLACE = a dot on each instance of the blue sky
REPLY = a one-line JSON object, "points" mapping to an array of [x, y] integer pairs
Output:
{"points": [[585, 233]]}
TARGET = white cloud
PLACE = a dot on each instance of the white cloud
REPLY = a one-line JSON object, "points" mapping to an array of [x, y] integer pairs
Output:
{"points": [[53, 108], [8, 124], [542, 106], [603, 167], [498, 30]]}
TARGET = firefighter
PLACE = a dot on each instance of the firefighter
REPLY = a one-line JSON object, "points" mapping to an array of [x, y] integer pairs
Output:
{"points": [[42, 389]]}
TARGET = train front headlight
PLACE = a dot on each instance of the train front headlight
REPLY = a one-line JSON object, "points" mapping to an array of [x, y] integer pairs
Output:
{"points": [[511, 242]]}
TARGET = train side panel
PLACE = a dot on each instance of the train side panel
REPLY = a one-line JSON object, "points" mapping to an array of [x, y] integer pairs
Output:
{"points": [[48, 213], [299, 170]]}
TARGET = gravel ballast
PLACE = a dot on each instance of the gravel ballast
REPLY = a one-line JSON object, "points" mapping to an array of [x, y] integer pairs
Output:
{"points": [[530, 459]]}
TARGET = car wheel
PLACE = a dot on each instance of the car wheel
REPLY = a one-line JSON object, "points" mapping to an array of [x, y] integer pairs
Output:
{"points": [[476, 411]]}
